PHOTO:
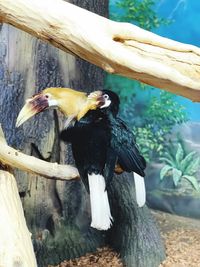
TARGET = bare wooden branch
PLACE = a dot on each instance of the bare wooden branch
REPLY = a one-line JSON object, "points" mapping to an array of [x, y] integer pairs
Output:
{"points": [[16, 248], [14, 158], [119, 48]]}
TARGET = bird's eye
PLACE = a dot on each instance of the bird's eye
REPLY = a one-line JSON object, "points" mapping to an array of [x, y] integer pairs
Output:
{"points": [[106, 96], [47, 96]]}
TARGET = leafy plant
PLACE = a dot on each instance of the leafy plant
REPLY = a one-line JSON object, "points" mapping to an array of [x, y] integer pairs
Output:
{"points": [[181, 166], [150, 143], [157, 120], [139, 12]]}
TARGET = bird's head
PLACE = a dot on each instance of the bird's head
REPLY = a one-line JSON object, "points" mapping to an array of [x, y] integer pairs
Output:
{"points": [[70, 102], [109, 101]]}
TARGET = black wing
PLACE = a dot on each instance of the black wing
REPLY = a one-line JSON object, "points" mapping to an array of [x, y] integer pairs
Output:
{"points": [[124, 144]]}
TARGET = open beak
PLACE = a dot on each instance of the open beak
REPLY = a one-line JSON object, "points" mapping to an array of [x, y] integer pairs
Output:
{"points": [[34, 105]]}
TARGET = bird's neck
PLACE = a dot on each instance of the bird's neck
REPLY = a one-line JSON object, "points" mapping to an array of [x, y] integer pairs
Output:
{"points": [[109, 114], [71, 104]]}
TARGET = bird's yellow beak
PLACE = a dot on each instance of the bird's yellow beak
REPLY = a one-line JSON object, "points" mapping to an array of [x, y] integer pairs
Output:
{"points": [[34, 105], [69, 101]]}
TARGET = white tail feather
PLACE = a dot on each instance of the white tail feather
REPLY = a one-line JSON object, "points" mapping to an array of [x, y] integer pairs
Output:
{"points": [[100, 208], [140, 189]]}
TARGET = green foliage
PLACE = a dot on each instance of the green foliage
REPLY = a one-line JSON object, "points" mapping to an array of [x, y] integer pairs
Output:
{"points": [[180, 165], [164, 111], [158, 118], [140, 12], [150, 144]]}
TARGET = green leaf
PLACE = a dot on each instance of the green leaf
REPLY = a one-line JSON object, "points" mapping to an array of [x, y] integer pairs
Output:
{"points": [[193, 166], [176, 176], [179, 154], [170, 156], [166, 160], [186, 161], [160, 147], [193, 181], [164, 171]]}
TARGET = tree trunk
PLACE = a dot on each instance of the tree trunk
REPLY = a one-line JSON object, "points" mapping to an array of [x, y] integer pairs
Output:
{"points": [[58, 212], [134, 233]]}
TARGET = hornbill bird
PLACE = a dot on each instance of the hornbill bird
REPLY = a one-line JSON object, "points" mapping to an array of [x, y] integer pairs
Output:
{"points": [[100, 142]]}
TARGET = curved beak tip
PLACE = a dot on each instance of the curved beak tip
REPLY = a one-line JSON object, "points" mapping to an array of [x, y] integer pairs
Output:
{"points": [[25, 113], [32, 106]]}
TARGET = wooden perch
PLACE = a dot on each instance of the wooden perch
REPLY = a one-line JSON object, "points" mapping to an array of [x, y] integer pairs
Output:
{"points": [[119, 48], [14, 158], [15, 243], [16, 248]]}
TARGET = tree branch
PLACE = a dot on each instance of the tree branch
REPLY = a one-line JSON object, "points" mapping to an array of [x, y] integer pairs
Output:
{"points": [[14, 158], [119, 48]]}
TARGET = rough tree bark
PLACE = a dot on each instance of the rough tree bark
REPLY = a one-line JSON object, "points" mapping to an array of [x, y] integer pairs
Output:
{"points": [[119, 48], [57, 212]]}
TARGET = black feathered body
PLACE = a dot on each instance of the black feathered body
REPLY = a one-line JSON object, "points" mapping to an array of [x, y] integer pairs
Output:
{"points": [[91, 146]]}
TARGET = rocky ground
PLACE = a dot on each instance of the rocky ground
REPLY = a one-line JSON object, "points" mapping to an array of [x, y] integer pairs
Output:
{"points": [[182, 240]]}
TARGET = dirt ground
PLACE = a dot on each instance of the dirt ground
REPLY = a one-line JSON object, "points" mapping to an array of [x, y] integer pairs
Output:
{"points": [[182, 240]]}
